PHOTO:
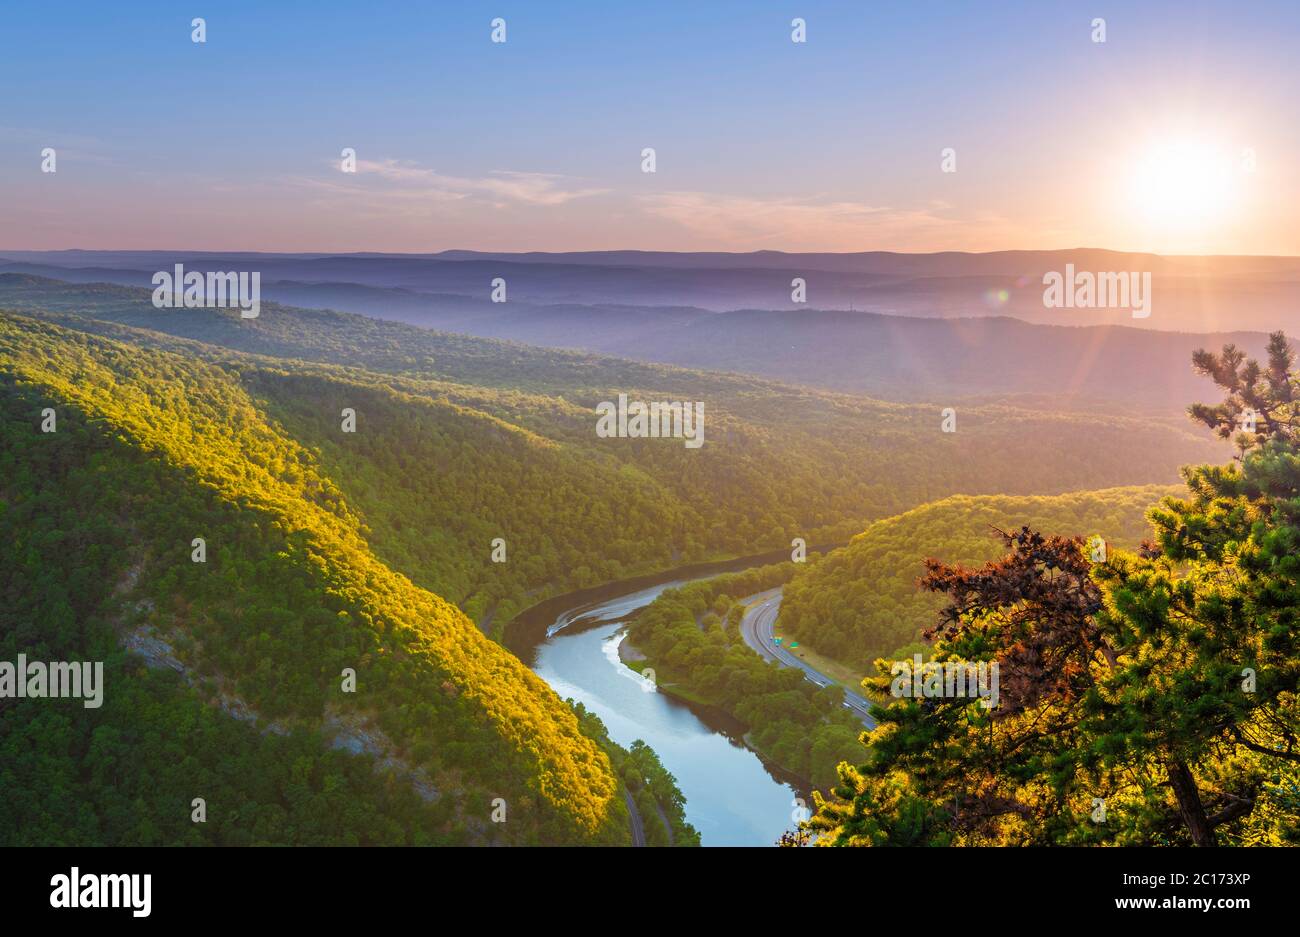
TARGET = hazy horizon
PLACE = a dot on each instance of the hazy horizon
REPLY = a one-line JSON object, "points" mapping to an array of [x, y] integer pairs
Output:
{"points": [[343, 252]]}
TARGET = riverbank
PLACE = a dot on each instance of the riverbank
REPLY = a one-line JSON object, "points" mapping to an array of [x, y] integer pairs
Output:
{"points": [[523, 632], [637, 661], [691, 637], [630, 655], [729, 792], [654, 803]]}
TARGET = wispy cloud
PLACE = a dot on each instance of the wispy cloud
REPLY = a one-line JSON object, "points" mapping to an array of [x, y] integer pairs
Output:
{"points": [[401, 181]]}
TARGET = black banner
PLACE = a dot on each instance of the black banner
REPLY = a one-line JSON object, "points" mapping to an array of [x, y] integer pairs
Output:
{"points": [[145, 887]]}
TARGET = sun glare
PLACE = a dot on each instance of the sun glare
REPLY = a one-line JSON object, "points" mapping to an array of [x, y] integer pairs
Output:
{"points": [[1184, 186]]}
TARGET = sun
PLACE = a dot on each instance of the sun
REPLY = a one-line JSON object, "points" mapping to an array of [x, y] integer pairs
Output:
{"points": [[1183, 186]]}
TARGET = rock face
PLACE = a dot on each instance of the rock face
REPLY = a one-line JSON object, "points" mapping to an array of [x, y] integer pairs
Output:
{"points": [[156, 652], [350, 733]]}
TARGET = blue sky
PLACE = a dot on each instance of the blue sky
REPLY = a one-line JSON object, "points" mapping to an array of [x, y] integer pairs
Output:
{"points": [[833, 144]]}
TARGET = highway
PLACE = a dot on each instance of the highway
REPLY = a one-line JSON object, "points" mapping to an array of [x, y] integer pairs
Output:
{"points": [[758, 628], [634, 815]]}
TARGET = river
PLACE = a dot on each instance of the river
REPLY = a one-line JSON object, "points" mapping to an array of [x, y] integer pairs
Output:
{"points": [[732, 797]]}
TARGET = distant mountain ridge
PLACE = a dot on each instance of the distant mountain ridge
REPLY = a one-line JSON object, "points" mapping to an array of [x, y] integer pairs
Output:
{"points": [[888, 356], [938, 263], [1201, 294]]}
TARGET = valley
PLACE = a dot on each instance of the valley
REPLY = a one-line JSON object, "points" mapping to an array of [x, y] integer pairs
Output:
{"points": [[453, 444]]}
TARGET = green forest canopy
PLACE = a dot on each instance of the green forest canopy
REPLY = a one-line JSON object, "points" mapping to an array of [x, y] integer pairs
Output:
{"points": [[862, 601], [329, 550]]}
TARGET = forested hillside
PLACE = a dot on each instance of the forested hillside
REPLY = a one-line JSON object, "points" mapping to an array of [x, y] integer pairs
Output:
{"points": [[862, 601], [151, 450], [328, 550], [463, 440]]}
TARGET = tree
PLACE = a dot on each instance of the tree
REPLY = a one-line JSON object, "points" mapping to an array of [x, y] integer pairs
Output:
{"points": [[1222, 589], [1157, 688]]}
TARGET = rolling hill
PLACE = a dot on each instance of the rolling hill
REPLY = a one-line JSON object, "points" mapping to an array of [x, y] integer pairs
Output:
{"points": [[464, 440], [893, 357], [1190, 294], [861, 602], [151, 450], [371, 551]]}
